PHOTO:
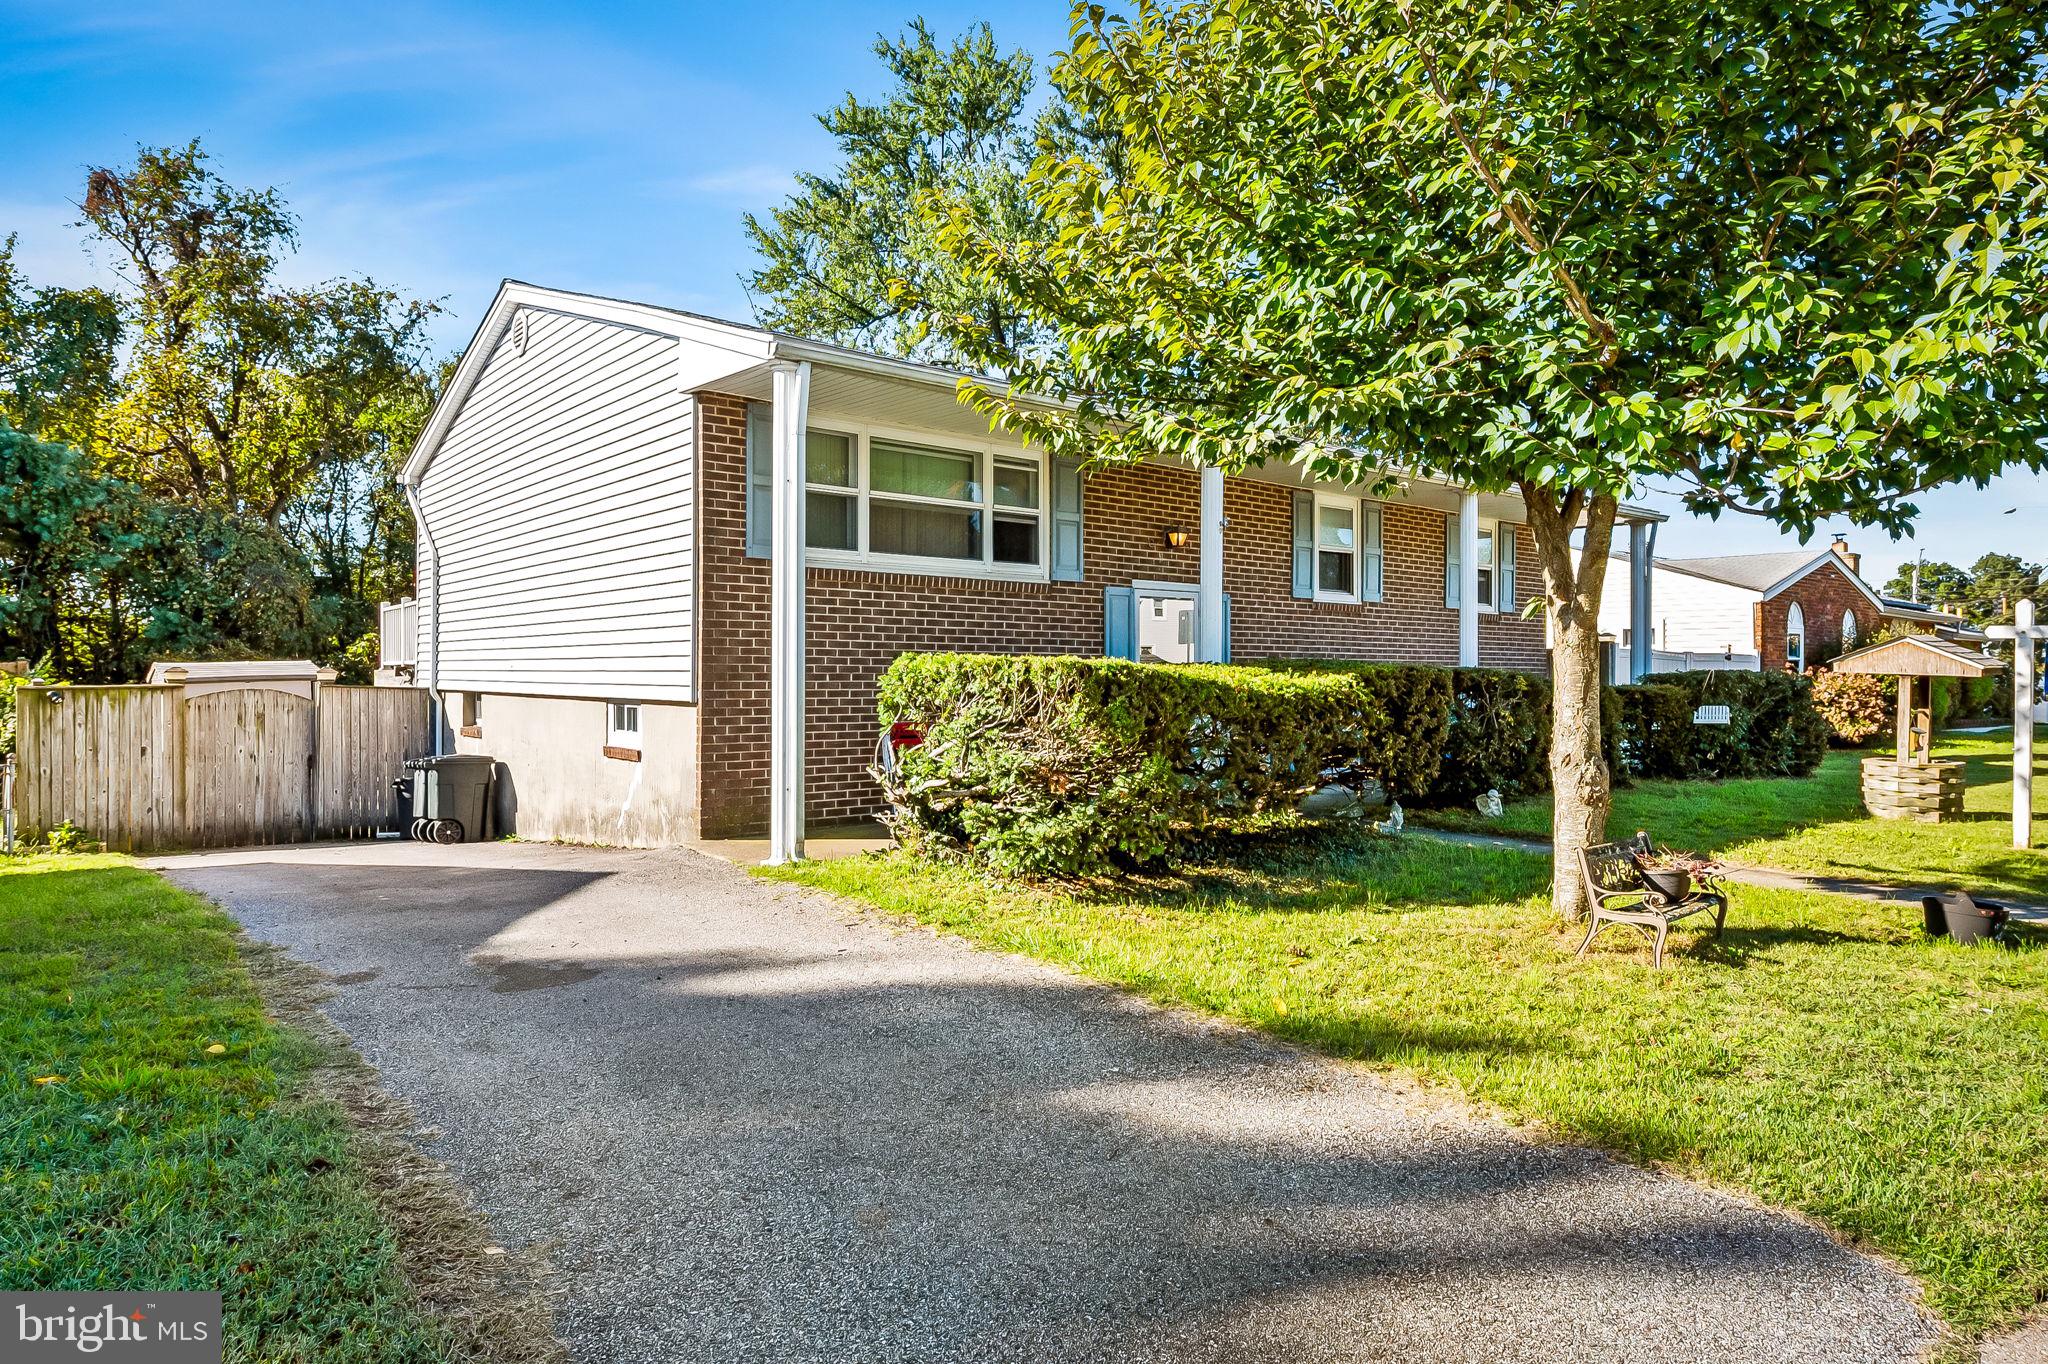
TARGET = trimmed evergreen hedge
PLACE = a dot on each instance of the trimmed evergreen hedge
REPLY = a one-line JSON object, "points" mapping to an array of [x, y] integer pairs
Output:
{"points": [[1039, 764], [1773, 729], [1042, 764]]}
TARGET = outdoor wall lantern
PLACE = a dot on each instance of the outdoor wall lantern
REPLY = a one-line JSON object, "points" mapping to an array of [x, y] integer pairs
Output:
{"points": [[1177, 537]]}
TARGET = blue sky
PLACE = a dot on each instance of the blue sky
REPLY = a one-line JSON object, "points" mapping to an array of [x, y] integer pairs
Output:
{"points": [[441, 147]]}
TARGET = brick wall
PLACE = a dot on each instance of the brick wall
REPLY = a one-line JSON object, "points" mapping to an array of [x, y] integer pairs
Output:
{"points": [[858, 621], [1823, 595]]}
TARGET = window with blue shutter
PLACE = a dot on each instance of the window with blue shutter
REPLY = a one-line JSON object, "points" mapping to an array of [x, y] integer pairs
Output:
{"points": [[760, 475], [1066, 521]]}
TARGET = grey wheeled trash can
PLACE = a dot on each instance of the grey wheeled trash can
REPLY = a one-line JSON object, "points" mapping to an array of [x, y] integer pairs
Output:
{"points": [[451, 797]]}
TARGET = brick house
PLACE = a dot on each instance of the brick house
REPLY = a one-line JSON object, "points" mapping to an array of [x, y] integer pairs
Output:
{"points": [[597, 505], [1783, 610]]}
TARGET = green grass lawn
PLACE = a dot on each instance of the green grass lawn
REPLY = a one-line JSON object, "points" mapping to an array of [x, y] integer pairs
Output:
{"points": [[1817, 824], [157, 1129], [1823, 1056]]}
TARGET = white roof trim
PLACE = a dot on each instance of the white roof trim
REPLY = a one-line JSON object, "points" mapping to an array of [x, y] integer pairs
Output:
{"points": [[750, 347], [1825, 557]]}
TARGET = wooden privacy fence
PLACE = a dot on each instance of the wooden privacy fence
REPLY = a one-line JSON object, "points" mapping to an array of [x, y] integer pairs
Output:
{"points": [[151, 767]]}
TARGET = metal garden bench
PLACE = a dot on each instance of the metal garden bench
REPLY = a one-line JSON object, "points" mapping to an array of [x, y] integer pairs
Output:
{"points": [[1618, 894]]}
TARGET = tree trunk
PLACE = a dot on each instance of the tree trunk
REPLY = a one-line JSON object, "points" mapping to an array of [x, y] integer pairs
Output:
{"points": [[1573, 579]]}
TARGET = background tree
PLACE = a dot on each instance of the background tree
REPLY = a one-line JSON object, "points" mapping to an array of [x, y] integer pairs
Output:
{"points": [[1937, 582], [57, 354], [97, 578], [200, 462], [1789, 256], [1984, 594], [239, 390], [841, 254], [1998, 583]]}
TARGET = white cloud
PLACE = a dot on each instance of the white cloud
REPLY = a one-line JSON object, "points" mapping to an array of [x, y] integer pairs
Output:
{"points": [[756, 184]]}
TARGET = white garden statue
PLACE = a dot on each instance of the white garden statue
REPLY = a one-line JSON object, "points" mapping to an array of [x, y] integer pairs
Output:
{"points": [[2025, 635]]}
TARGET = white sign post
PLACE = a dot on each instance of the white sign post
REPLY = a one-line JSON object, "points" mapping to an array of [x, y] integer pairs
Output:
{"points": [[2024, 634]]}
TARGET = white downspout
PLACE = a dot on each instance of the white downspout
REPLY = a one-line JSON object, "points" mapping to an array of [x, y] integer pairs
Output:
{"points": [[1209, 642], [419, 519]]}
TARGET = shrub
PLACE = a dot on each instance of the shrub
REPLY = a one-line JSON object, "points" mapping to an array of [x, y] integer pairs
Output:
{"points": [[1658, 736], [9, 683], [1988, 696], [69, 838], [1041, 764], [1394, 730], [1611, 740], [1069, 765], [1772, 731], [1497, 738], [1854, 706]]}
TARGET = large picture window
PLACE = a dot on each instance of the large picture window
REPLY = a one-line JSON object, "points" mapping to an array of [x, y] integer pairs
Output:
{"points": [[877, 498]]}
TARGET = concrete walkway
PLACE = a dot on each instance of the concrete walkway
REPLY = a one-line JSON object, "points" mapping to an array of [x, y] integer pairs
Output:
{"points": [[1770, 878], [755, 1123]]}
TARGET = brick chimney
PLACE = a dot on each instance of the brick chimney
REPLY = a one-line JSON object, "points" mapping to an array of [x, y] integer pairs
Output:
{"points": [[1855, 561]]}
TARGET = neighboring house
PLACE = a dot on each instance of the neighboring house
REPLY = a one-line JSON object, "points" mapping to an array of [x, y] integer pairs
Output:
{"points": [[1784, 610], [1911, 615], [594, 507]]}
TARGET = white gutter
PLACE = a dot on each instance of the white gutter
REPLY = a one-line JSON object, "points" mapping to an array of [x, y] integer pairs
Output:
{"points": [[419, 519]]}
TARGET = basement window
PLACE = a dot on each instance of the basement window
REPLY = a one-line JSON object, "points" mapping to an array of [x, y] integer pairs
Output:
{"points": [[622, 730]]}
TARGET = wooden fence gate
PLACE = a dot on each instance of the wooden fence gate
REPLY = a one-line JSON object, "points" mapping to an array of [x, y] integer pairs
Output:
{"points": [[148, 767]]}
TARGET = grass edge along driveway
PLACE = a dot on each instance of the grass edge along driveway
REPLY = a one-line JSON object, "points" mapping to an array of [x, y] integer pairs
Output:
{"points": [[1823, 1057], [164, 1131]]}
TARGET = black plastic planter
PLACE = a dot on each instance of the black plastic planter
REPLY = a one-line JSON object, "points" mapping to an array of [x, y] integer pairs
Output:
{"points": [[1965, 920]]}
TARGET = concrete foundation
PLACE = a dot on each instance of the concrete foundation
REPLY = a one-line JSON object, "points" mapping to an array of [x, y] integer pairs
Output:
{"points": [[1926, 792], [557, 780]]}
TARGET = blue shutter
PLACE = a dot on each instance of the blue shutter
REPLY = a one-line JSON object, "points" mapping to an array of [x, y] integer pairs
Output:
{"points": [[1066, 521], [1372, 563], [1226, 627], [1504, 550], [1119, 639], [1304, 545], [1451, 564], [760, 480]]}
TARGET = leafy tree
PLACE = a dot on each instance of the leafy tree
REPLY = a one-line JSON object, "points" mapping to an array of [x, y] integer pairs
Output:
{"points": [[97, 577], [1789, 256], [1938, 582], [238, 391], [842, 253], [1985, 593], [57, 354], [1998, 582], [55, 544]]}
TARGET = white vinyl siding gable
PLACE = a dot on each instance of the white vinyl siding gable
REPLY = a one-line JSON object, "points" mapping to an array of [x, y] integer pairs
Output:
{"points": [[561, 503], [1692, 615]]}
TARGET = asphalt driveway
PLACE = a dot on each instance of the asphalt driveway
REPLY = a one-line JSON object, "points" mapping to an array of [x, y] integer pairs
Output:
{"points": [[750, 1122]]}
